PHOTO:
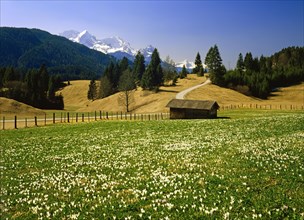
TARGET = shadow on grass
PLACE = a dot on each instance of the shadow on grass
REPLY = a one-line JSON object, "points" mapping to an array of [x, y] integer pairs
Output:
{"points": [[222, 117]]}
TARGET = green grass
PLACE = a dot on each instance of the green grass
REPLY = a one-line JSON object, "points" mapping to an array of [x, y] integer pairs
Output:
{"points": [[248, 166]]}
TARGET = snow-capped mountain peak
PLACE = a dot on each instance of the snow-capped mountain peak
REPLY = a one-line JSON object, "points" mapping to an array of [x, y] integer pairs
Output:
{"points": [[188, 64], [86, 39], [114, 44]]}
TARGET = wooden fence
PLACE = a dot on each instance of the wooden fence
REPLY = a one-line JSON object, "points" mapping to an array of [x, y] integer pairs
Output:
{"points": [[67, 117], [259, 106], [74, 117]]}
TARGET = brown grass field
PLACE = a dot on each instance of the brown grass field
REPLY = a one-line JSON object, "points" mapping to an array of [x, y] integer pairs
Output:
{"points": [[293, 95], [143, 101], [75, 98], [10, 107]]}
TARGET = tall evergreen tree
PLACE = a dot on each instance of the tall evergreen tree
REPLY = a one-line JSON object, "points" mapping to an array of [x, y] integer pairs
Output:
{"points": [[248, 62], [147, 79], [240, 63], [51, 88], [213, 61], [153, 76], [184, 72], [43, 80], [198, 64], [92, 92], [105, 87], [139, 66], [124, 64]]}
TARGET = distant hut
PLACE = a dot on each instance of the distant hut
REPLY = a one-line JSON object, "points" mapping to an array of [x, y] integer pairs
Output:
{"points": [[192, 109]]}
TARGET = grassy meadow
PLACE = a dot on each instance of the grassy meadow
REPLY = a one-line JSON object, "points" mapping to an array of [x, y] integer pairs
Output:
{"points": [[248, 165]]}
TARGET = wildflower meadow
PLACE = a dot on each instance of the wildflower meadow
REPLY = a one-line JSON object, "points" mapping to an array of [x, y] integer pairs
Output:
{"points": [[250, 165]]}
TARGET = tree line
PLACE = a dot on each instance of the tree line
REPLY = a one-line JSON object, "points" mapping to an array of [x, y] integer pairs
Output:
{"points": [[259, 76], [263, 75], [34, 87], [125, 78]]}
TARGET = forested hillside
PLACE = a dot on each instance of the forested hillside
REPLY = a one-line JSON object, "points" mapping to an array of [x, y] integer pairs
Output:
{"points": [[264, 74], [30, 48]]}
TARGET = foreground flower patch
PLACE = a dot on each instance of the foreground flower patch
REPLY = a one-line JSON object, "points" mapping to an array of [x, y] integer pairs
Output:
{"points": [[192, 169]]}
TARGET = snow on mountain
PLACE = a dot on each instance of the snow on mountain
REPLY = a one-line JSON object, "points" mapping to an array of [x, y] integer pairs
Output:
{"points": [[188, 64], [86, 39], [115, 46], [71, 34], [147, 53]]}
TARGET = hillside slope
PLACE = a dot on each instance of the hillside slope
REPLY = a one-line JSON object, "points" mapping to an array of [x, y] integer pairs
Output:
{"points": [[75, 97], [292, 95], [10, 107], [30, 48]]}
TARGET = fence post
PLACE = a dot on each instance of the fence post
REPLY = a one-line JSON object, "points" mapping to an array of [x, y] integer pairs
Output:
{"points": [[107, 115], [44, 119], [36, 121], [68, 117], [120, 115], [54, 118], [82, 117], [26, 122], [15, 121], [76, 117], [100, 115], [95, 116], [3, 122]]}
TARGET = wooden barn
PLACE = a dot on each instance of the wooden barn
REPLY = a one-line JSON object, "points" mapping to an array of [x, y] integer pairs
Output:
{"points": [[192, 109]]}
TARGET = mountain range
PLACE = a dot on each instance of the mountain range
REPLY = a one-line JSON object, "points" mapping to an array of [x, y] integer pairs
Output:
{"points": [[117, 47], [114, 46]]}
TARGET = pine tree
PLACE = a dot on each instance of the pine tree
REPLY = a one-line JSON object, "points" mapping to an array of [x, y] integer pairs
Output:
{"points": [[43, 80], [153, 76], [240, 63], [198, 64], [216, 69], [248, 62], [123, 65], [105, 88], [147, 79], [92, 92], [184, 72], [139, 66], [51, 89]]}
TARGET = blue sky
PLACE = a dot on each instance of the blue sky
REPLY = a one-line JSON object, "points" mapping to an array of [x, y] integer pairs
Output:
{"points": [[177, 28]]}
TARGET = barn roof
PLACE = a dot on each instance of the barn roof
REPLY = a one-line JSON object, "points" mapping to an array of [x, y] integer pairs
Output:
{"points": [[192, 104]]}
